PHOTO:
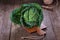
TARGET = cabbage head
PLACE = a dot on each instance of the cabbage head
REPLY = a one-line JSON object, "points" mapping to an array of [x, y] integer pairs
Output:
{"points": [[28, 15]]}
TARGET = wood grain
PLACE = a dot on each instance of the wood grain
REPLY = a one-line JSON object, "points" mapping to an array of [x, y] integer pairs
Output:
{"points": [[10, 31], [5, 22], [50, 33], [55, 18]]}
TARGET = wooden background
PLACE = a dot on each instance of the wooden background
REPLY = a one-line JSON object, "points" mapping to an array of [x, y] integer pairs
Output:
{"points": [[9, 31]]}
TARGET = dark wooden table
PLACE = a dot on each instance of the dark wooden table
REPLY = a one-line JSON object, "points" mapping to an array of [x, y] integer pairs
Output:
{"points": [[9, 31]]}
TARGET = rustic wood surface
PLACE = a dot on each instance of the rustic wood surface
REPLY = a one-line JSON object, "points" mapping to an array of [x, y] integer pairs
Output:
{"points": [[9, 31]]}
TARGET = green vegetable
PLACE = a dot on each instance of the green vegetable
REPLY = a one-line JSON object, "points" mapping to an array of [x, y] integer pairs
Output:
{"points": [[28, 15]]}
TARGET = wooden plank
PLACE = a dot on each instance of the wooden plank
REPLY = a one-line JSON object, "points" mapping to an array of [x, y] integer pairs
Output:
{"points": [[0, 25], [5, 28], [1, 22], [50, 33], [55, 18]]}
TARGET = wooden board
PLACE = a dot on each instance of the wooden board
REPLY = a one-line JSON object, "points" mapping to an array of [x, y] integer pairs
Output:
{"points": [[5, 23], [55, 18], [50, 33], [9, 31], [1, 22]]}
